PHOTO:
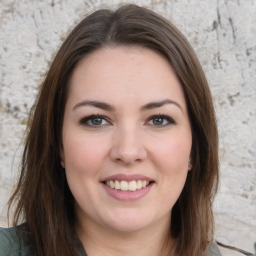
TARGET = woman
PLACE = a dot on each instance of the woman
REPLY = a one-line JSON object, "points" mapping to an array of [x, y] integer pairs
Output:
{"points": [[121, 155]]}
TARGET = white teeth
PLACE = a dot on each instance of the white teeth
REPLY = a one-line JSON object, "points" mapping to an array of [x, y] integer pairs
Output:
{"points": [[139, 184], [127, 186], [117, 185], [132, 185], [124, 185], [112, 184]]}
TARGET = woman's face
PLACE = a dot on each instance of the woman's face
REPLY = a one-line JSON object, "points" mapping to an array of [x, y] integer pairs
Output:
{"points": [[126, 139]]}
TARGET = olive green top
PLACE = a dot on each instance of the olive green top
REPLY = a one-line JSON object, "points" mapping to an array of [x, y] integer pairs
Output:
{"points": [[13, 243]]}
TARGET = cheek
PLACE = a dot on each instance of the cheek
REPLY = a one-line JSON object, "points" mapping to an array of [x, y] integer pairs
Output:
{"points": [[173, 169], [83, 161], [84, 155], [173, 154]]}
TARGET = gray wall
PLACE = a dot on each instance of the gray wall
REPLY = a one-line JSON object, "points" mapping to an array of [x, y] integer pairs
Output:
{"points": [[223, 33]]}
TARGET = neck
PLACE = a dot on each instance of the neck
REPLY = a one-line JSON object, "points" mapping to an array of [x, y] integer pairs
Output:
{"points": [[104, 241]]}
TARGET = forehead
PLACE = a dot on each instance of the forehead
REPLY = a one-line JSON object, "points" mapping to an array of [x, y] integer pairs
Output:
{"points": [[125, 73]]}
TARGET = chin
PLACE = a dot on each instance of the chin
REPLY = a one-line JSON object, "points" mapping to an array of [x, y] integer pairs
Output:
{"points": [[127, 222], [127, 227]]}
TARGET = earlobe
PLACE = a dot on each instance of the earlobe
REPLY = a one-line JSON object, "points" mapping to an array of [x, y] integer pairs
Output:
{"points": [[62, 162], [190, 164]]}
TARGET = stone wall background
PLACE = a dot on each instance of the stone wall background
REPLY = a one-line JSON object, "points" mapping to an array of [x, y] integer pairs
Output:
{"points": [[222, 32]]}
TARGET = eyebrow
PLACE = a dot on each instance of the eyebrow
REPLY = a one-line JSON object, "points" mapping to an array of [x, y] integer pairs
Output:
{"points": [[158, 104], [108, 107], [93, 103]]}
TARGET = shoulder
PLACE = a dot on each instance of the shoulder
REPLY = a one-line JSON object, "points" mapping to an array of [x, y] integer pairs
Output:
{"points": [[13, 241], [8, 241], [213, 250]]}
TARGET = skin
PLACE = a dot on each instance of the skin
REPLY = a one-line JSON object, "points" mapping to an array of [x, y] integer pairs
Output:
{"points": [[128, 140]]}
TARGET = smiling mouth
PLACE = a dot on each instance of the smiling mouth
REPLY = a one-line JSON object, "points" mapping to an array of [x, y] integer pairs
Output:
{"points": [[124, 185]]}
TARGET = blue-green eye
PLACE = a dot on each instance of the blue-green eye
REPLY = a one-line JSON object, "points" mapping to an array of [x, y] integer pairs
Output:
{"points": [[94, 121], [160, 120]]}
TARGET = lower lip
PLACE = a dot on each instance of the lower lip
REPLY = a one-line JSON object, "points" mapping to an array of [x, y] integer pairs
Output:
{"points": [[128, 195]]}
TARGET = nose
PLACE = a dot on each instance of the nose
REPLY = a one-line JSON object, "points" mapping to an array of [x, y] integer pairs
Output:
{"points": [[127, 147]]}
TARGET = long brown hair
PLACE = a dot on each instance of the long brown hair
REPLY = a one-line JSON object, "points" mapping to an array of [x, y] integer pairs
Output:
{"points": [[43, 198]]}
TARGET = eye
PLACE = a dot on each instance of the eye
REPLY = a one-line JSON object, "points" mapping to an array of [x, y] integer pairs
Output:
{"points": [[94, 121], [161, 120]]}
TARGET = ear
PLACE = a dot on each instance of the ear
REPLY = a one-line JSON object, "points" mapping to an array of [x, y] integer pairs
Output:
{"points": [[62, 158], [190, 164]]}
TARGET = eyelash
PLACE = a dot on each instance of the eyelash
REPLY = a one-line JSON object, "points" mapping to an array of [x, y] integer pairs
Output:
{"points": [[169, 120], [85, 121]]}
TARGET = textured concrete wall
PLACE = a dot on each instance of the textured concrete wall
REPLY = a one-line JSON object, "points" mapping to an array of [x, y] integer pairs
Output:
{"points": [[223, 33]]}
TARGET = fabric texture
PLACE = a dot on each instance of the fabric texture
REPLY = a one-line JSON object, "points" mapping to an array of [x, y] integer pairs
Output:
{"points": [[213, 250], [14, 242]]}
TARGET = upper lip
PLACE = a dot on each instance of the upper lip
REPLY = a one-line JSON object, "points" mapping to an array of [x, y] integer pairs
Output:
{"points": [[126, 177]]}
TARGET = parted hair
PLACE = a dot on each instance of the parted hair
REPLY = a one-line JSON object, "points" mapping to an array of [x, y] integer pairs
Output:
{"points": [[42, 197]]}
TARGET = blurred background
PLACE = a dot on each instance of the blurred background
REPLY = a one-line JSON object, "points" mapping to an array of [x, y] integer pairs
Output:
{"points": [[223, 34]]}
